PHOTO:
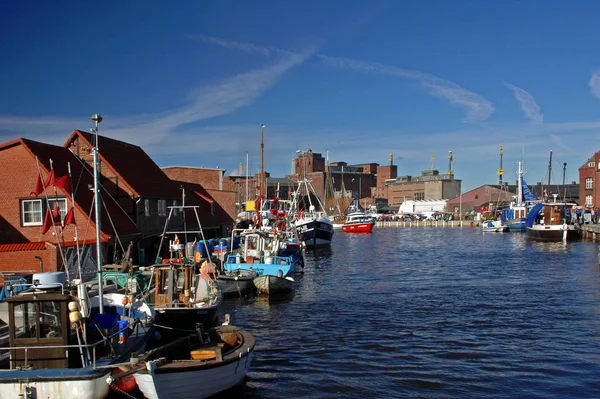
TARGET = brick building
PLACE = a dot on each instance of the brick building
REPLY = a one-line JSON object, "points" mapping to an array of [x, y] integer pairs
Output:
{"points": [[135, 196], [589, 178]]}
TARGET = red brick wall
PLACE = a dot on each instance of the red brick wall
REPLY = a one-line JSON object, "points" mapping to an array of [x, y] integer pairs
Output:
{"points": [[25, 261], [590, 171], [207, 178], [13, 189]]}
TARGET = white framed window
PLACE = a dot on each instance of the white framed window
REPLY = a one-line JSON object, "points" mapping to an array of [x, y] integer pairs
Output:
{"points": [[589, 183], [146, 207], [162, 207], [588, 200], [591, 164], [31, 212], [62, 206]]}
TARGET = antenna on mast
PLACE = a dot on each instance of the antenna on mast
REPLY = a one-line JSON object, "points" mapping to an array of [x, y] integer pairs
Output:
{"points": [[500, 170]]}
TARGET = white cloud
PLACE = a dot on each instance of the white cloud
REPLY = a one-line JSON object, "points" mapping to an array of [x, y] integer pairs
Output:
{"points": [[214, 100], [528, 105], [594, 84], [476, 106], [247, 47]]}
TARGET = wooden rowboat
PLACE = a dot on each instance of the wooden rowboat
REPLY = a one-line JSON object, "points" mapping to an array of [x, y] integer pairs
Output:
{"points": [[267, 284]]}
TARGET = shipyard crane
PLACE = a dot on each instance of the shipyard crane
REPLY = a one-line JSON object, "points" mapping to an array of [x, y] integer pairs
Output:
{"points": [[450, 164], [500, 170]]}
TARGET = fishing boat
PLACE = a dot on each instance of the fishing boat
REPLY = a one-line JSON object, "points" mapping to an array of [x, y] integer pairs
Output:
{"points": [[515, 215], [358, 222], [65, 344], [266, 251], [195, 366], [269, 285], [185, 294], [553, 220], [236, 282], [314, 227]]}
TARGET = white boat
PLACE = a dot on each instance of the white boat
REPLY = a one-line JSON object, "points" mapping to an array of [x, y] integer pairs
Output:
{"points": [[194, 367], [269, 285], [493, 226]]}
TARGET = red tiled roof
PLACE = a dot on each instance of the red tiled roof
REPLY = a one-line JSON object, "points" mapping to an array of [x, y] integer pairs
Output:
{"points": [[82, 178], [28, 246], [133, 165]]}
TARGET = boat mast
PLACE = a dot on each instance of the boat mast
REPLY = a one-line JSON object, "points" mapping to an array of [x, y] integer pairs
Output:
{"points": [[520, 183], [564, 187], [97, 118], [262, 162], [549, 176]]}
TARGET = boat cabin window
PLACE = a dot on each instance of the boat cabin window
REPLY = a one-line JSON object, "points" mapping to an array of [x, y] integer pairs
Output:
{"points": [[32, 318], [25, 320], [50, 319]]}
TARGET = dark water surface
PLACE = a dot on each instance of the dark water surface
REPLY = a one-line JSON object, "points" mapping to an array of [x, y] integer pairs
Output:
{"points": [[430, 313]]}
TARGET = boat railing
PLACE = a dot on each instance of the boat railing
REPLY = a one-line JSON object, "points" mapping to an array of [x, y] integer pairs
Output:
{"points": [[81, 347]]}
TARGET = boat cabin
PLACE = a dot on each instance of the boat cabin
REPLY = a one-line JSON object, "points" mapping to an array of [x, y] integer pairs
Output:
{"points": [[39, 321]]}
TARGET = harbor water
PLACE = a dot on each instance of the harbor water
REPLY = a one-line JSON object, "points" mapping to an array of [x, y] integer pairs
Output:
{"points": [[430, 313]]}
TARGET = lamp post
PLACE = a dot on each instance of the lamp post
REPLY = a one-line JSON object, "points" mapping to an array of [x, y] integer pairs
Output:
{"points": [[97, 118]]}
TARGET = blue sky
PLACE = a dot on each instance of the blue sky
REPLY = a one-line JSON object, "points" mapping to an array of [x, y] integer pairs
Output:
{"points": [[191, 82]]}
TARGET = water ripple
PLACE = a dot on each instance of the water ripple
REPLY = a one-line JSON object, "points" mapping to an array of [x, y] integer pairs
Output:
{"points": [[434, 313]]}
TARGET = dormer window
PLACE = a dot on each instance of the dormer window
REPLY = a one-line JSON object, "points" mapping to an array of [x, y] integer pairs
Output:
{"points": [[591, 164]]}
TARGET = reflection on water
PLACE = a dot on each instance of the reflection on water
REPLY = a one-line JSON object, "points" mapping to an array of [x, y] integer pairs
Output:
{"points": [[426, 312]]}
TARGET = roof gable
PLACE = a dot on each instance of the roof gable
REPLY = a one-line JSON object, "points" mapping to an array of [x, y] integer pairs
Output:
{"points": [[81, 178], [133, 166]]}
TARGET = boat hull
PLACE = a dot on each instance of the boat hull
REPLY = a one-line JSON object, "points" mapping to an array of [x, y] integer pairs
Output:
{"points": [[270, 285], [196, 379], [494, 226], [516, 225], [315, 233], [358, 227], [237, 282], [553, 233], [55, 383]]}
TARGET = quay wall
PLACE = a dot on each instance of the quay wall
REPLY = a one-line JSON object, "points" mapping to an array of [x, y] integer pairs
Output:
{"points": [[428, 223], [590, 231]]}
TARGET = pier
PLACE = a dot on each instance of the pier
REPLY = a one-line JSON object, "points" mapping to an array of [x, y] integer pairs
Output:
{"points": [[591, 231]]}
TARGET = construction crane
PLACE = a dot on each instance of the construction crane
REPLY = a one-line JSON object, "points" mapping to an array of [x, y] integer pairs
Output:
{"points": [[500, 170], [450, 164], [431, 162]]}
